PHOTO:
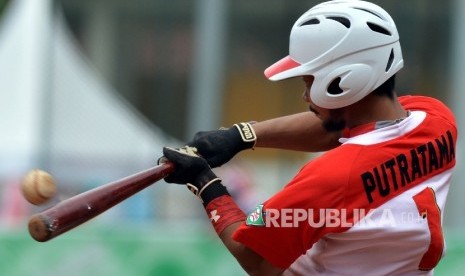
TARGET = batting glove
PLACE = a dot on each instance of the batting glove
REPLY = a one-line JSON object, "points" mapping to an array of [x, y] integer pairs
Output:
{"points": [[194, 172], [220, 146]]}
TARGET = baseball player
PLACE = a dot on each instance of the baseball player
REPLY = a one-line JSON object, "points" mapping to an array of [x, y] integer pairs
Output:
{"points": [[372, 204]]}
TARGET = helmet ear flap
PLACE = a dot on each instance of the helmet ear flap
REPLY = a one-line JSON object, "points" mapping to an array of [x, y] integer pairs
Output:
{"points": [[342, 86]]}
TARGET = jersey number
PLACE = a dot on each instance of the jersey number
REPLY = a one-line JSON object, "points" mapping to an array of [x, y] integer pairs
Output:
{"points": [[429, 210]]}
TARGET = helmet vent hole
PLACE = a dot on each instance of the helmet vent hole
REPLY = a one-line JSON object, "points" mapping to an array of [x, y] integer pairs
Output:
{"points": [[312, 21], [377, 28], [344, 21], [390, 60], [334, 88]]}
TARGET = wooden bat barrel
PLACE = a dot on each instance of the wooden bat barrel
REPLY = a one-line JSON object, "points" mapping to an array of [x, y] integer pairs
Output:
{"points": [[77, 210]]}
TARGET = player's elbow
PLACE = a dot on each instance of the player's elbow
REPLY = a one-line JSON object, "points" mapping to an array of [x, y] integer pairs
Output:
{"points": [[262, 270], [259, 266]]}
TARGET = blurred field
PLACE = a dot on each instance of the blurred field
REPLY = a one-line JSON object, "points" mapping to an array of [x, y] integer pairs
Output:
{"points": [[126, 250], [145, 250]]}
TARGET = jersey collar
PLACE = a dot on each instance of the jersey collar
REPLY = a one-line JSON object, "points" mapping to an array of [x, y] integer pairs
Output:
{"points": [[365, 128]]}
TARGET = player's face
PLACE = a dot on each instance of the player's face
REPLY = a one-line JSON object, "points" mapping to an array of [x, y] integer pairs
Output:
{"points": [[332, 119]]}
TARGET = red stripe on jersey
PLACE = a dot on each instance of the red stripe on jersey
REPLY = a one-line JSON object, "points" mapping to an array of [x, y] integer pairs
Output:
{"points": [[429, 210]]}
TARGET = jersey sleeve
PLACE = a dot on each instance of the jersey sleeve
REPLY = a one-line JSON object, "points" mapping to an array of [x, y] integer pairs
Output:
{"points": [[290, 217]]}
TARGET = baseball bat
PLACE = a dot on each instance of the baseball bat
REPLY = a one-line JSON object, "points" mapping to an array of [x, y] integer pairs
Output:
{"points": [[78, 209]]}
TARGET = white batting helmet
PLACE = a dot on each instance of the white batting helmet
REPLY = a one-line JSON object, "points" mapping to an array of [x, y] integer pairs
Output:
{"points": [[350, 47]]}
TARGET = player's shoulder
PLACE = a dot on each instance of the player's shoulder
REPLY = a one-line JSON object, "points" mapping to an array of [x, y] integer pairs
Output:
{"points": [[426, 103], [323, 179], [334, 165], [318, 184], [430, 105]]}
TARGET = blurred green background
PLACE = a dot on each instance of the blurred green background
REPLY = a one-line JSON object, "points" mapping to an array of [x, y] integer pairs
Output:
{"points": [[92, 89], [145, 251]]}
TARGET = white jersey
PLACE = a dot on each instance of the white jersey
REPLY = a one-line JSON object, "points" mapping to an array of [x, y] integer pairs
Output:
{"points": [[373, 205]]}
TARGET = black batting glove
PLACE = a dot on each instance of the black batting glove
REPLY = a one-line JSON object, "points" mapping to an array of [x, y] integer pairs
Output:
{"points": [[194, 172], [220, 146]]}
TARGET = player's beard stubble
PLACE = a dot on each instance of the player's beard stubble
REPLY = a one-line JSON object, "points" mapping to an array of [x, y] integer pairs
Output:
{"points": [[335, 122], [334, 125]]}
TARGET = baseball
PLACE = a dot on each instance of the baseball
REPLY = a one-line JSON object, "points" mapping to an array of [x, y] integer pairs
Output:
{"points": [[38, 187]]}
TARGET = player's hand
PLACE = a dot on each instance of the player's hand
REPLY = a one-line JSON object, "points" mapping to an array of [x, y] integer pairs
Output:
{"points": [[191, 169], [220, 146]]}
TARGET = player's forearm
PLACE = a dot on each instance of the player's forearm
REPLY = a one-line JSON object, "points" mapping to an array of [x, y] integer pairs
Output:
{"points": [[301, 132], [250, 261], [226, 217]]}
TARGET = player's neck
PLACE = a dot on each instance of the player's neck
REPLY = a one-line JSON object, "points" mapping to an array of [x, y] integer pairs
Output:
{"points": [[374, 109]]}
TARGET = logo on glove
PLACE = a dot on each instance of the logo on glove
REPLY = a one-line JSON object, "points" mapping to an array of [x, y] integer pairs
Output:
{"points": [[247, 132]]}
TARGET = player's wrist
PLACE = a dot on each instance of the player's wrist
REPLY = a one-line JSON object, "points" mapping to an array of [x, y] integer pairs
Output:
{"points": [[207, 186], [215, 190], [223, 211]]}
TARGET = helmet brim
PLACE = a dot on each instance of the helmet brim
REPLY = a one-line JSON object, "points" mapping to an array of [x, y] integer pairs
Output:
{"points": [[278, 70]]}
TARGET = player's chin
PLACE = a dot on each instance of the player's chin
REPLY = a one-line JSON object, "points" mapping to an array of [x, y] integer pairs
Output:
{"points": [[334, 125]]}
